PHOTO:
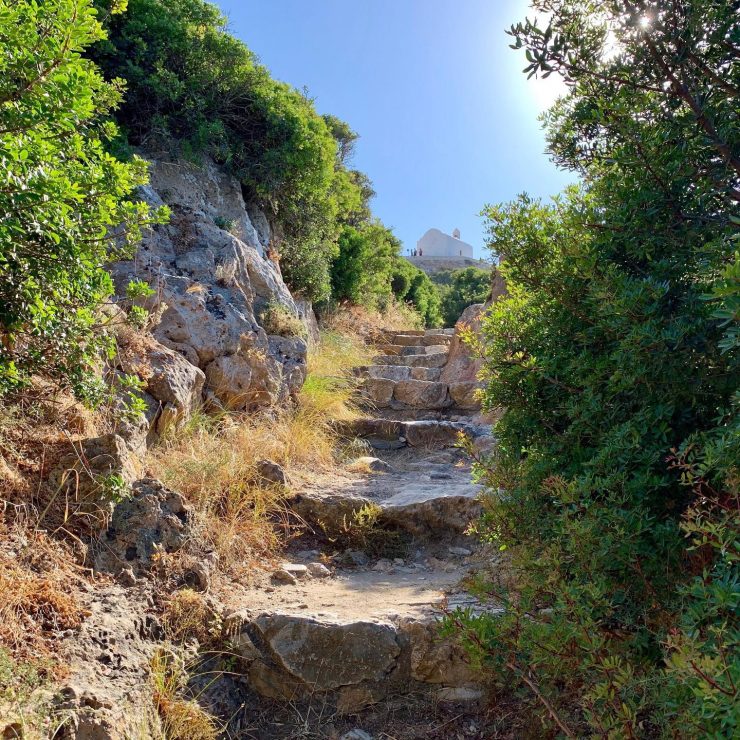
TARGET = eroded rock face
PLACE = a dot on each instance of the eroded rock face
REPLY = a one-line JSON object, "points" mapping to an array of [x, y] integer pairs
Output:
{"points": [[212, 282], [153, 519]]}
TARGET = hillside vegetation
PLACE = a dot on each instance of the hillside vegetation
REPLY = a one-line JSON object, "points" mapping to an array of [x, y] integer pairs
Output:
{"points": [[615, 484]]}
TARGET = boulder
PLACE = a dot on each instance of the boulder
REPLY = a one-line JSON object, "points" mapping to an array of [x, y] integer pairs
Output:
{"points": [[422, 394], [438, 509], [305, 655], [330, 512], [90, 469], [153, 519], [212, 282], [167, 375]]}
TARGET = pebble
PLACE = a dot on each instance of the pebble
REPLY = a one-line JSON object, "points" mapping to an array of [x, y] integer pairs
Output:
{"points": [[459, 551], [356, 735], [459, 694], [383, 565], [283, 576], [318, 570], [398, 561]]}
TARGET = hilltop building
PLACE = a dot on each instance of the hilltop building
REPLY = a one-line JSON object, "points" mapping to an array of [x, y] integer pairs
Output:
{"points": [[437, 251]]}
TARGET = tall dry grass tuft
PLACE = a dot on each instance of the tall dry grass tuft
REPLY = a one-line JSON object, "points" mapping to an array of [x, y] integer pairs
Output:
{"points": [[215, 461]]}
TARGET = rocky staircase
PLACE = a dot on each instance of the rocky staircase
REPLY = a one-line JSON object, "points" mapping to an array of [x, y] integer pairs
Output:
{"points": [[408, 375], [367, 627]]}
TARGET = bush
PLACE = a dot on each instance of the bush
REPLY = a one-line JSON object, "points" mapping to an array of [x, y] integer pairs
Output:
{"points": [[411, 285], [63, 196], [192, 84], [466, 287], [361, 272], [615, 355]]}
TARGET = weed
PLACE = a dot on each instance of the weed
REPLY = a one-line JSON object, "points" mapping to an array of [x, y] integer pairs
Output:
{"points": [[181, 718], [278, 320], [365, 531], [187, 616]]}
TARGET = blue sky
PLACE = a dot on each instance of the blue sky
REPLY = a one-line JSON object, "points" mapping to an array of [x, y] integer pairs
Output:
{"points": [[447, 121]]}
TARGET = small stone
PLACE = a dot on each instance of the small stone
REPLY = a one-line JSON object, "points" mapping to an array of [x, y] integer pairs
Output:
{"points": [[272, 472], [126, 577], [283, 576], [356, 735], [374, 464], [383, 565], [398, 561], [462, 551], [440, 476], [318, 570], [357, 557], [295, 569], [459, 694]]}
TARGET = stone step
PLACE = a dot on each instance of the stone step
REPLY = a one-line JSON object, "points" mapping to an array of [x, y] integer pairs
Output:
{"points": [[399, 349], [399, 372], [353, 639], [435, 359], [430, 434], [418, 394]]}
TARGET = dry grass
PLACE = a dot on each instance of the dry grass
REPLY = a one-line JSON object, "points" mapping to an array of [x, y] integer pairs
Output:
{"points": [[366, 322], [214, 461], [187, 616], [181, 718]]}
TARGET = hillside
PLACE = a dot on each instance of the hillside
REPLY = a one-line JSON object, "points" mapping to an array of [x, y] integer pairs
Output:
{"points": [[250, 487]]}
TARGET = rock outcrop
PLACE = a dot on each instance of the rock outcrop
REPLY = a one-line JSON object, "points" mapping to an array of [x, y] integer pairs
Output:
{"points": [[212, 282]]}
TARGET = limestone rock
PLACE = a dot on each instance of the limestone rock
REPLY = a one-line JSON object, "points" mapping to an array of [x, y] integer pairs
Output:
{"points": [[318, 570], [153, 519], [379, 391], [272, 472], [421, 508], [330, 512], [168, 377], [323, 656], [212, 281], [435, 659], [459, 694], [465, 395], [88, 469], [374, 464], [422, 394]]}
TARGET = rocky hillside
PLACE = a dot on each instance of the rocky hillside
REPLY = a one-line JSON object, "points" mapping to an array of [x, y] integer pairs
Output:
{"points": [[225, 328]]}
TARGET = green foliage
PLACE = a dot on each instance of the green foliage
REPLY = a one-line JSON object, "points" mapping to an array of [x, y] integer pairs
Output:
{"points": [[361, 272], [412, 285], [366, 532], [190, 83], [615, 355], [61, 195], [466, 287]]}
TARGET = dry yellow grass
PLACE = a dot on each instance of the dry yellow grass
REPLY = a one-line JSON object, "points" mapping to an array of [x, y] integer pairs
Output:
{"points": [[180, 718], [214, 461]]}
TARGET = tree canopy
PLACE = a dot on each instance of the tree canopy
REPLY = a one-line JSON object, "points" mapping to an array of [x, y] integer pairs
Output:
{"points": [[615, 355]]}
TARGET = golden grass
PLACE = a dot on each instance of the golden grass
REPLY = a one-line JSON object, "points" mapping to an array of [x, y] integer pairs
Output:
{"points": [[366, 322], [214, 461], [180, 718], [187, 615]]}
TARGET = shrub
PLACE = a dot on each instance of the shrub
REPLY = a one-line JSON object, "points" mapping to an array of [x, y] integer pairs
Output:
{"points": [[192, 84], [466, 287], [63, 196], [614, 485], [278, 320]]}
